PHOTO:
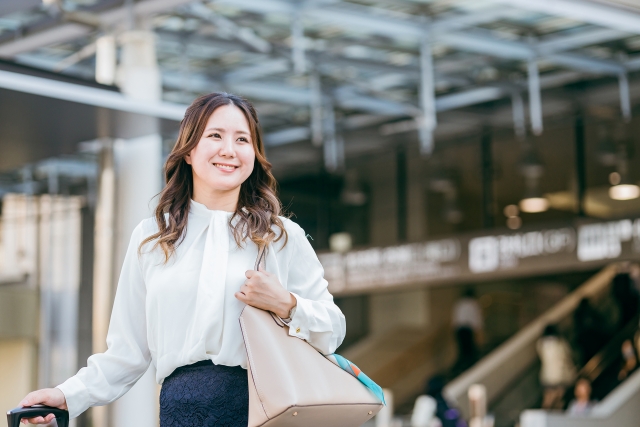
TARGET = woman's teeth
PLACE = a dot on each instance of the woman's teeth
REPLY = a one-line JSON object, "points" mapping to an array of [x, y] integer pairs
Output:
{"points": [[224, 167]]}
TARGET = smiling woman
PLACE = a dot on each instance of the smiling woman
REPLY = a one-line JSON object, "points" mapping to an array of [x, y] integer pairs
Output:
{"points": [[188, 275], [222, 160], [219, 161]]}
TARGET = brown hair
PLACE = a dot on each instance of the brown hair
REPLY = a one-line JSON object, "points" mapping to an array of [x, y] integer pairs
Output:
{"points": [[258, 206]]}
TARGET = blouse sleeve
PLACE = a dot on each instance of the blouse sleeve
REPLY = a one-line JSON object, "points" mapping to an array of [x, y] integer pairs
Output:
{"points": [[316, 319], [111, 374]]}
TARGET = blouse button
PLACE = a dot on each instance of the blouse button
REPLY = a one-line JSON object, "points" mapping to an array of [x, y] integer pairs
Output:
{"points": [[297, 330]]}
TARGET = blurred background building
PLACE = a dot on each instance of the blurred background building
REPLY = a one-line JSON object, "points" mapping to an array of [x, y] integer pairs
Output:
{"points": [[445, 157]]}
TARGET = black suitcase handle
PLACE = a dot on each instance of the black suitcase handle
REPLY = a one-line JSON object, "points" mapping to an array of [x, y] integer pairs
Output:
{"points": [[15, 415]]}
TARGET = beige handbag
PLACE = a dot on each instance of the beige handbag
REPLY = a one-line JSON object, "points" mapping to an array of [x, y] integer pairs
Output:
{"points": [[292, 385]]}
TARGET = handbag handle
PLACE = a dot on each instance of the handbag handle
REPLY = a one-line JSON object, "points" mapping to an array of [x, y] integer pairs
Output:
{"points": [[15, 415]]}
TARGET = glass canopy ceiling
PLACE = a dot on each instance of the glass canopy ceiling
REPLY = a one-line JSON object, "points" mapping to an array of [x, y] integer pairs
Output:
{"points": [[316, 69]]}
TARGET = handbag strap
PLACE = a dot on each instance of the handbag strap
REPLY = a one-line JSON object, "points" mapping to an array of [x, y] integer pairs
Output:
{"points": [[260, 260]]}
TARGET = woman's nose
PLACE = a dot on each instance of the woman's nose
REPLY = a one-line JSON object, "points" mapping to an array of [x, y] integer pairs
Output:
{"points": [[227, 148]]}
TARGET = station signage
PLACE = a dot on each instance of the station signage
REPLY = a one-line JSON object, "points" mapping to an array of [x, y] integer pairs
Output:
{"points": [[478, 257]]}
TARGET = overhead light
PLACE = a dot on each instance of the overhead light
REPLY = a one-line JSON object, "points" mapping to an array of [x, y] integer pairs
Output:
{"points": [[534, 204], [624, 192], [622, 188]]}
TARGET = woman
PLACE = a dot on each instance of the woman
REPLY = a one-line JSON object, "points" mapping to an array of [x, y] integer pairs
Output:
{"points": [[187, 276], [557, 370]]}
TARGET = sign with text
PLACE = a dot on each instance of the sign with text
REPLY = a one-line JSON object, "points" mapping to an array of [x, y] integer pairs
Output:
{"points": [[472, 257]]}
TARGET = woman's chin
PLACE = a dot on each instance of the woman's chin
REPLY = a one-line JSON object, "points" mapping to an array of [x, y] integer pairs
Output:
{"points": [[223, 187]]}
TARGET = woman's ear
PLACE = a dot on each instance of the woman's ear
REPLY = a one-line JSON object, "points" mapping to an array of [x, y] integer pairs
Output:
{"points": [[187, 159]]}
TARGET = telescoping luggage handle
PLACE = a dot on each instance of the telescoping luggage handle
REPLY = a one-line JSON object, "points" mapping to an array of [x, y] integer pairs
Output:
{"points": [[15, 415]]}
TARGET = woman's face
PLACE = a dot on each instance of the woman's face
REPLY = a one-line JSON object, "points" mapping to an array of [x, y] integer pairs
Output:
{"points": [[223, 158]]}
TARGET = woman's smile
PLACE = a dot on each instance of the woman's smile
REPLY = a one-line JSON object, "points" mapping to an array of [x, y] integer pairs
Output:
{"points": [[226, 168]]}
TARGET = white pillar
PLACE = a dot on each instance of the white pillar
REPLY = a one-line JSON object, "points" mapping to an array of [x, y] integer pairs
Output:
{"points": [[138, 165], [138, 171], [138, 73], [106, 54]]}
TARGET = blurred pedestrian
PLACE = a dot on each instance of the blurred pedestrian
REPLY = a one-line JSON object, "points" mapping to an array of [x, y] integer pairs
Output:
{"points": [[582, 403], [626, 297], [557, 370], [629, 360], [468, 324], [448, 415], [589, 330]]}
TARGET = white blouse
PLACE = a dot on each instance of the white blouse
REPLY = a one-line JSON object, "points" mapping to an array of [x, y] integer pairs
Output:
{"points": [[185, 311]]}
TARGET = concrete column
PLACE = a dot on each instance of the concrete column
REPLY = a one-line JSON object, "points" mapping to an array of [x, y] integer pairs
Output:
{"points": [[138, 164]]}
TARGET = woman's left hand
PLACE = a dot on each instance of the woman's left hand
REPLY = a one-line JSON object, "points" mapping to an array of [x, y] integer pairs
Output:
{"points": [[263, 290]]}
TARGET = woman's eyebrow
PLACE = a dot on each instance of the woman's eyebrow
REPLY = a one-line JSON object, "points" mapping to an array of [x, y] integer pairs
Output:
{"points": [[223, 130]]}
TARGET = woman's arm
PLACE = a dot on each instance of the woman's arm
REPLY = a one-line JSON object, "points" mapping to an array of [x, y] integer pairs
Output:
{"points": [[111, 374], [317, 319]]}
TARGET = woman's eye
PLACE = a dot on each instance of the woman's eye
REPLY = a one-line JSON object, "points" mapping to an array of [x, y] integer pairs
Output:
{"points": [[214, 135], [243, 139]]}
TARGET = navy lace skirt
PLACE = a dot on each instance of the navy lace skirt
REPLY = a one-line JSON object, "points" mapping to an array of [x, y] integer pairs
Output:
{"points": [[205, 395]]}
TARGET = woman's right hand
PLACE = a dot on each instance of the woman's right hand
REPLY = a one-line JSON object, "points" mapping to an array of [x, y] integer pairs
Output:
{"points": [[47, 396]]}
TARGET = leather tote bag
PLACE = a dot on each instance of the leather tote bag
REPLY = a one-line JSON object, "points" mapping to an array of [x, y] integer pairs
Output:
{"points": [[291, 384]]}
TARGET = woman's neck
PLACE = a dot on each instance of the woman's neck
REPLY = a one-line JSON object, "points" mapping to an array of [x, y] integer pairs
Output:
{"points": [[218, 200]]}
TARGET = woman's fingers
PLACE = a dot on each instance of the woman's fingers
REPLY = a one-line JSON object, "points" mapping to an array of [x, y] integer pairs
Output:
{"points": [[49, 397], [39, 420]]}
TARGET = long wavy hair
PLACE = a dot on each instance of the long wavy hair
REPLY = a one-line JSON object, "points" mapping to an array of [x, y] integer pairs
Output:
{"points": [[258, 206]]}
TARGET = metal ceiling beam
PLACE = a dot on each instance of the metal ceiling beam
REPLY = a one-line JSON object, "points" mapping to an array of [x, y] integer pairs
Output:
{"points": [[69, 31], [362, 18], [578, 39], [88, 95], [252, 72], [480, 42], [605, 15], [57, 34], [243, 34], [585, 63]]}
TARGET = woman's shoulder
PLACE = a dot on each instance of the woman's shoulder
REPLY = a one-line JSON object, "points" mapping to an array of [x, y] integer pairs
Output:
{"points": [[289, 224], [294, 232], [145, 228]]}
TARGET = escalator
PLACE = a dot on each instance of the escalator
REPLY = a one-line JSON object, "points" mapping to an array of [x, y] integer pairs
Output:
{"points": [[618, 399], [510, 373]]}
